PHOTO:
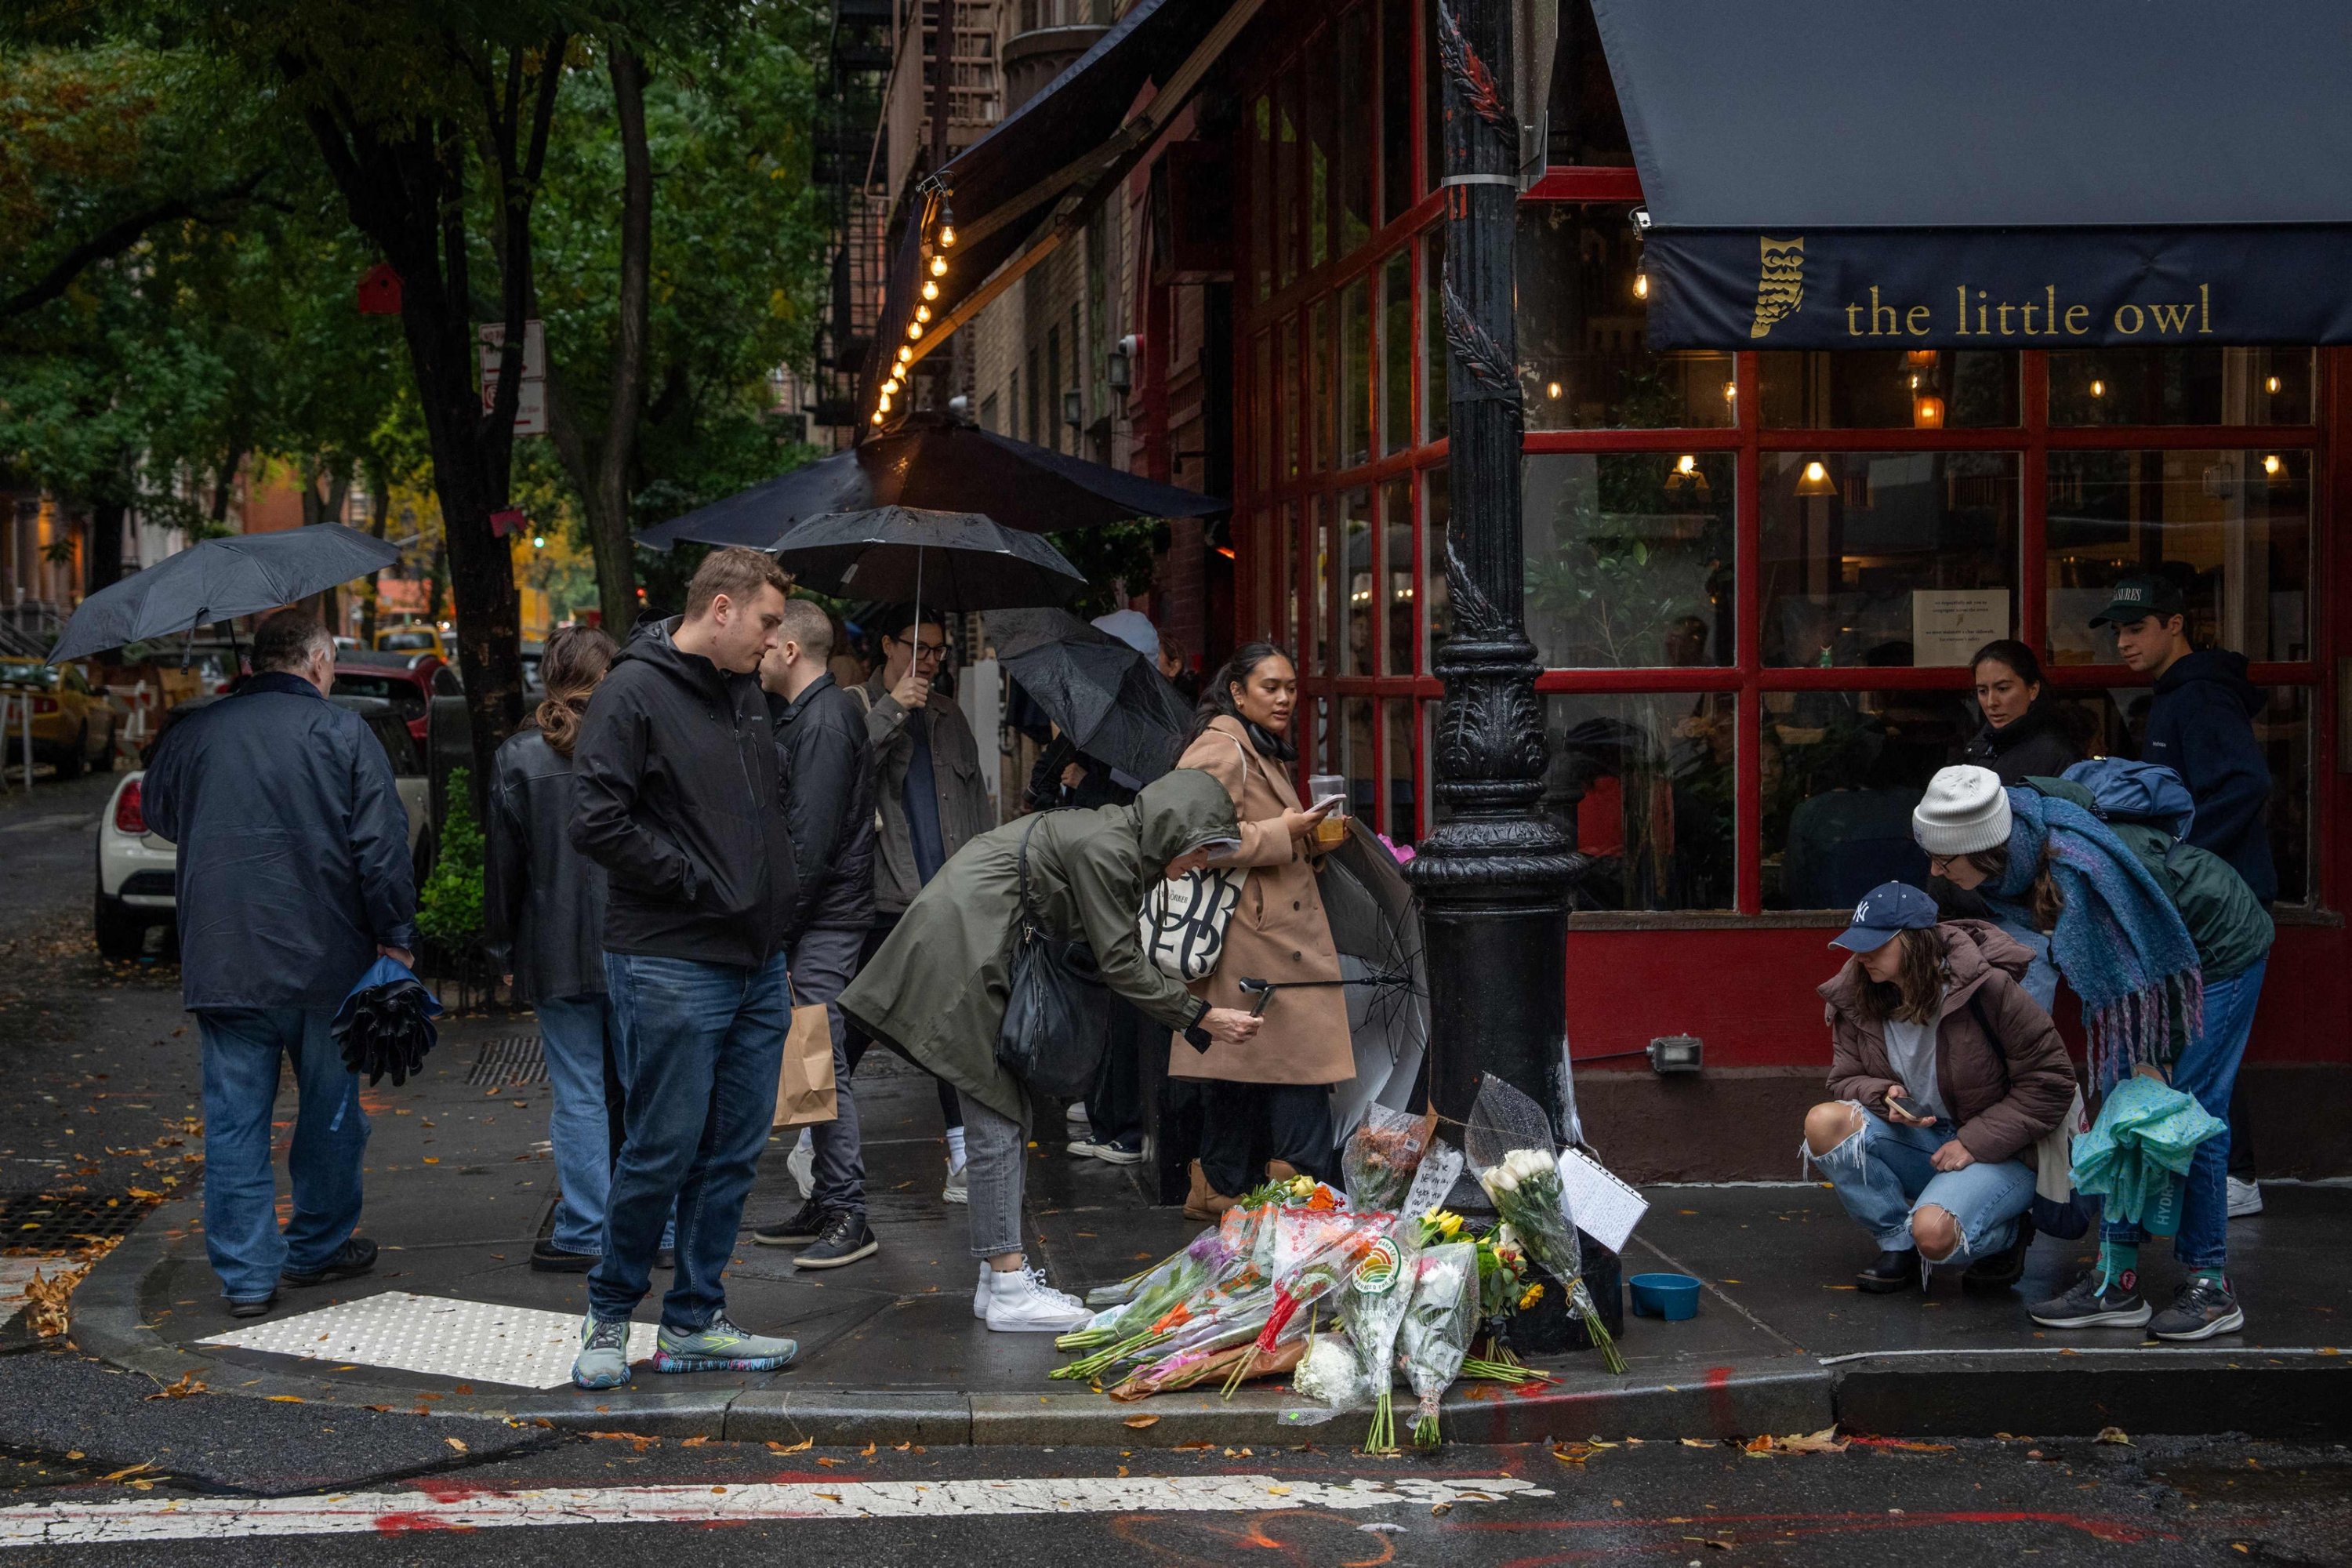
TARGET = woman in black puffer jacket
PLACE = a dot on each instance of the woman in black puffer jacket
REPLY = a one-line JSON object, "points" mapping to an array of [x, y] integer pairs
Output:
{"points": [[2025, 733]]}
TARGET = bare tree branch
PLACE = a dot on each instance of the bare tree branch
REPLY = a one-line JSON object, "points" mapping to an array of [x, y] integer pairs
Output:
{"points": [[120, 236]]}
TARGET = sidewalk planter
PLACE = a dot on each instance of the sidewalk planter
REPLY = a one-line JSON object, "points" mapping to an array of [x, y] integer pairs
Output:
{"points": [[1674, 1297]]}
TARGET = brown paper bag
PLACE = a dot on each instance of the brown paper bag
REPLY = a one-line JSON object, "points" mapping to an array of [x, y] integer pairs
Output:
{"points": [[804, 1088]]}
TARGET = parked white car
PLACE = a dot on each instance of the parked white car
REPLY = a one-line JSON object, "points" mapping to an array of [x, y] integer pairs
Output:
{"points": [[137, 869]]}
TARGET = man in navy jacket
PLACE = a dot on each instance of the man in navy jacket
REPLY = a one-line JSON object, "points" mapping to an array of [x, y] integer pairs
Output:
{"points": [[2200, 725], [293, 877]]}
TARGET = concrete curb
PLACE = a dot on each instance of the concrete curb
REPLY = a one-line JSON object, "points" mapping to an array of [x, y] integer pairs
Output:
{"points": [[2289, 1395]]}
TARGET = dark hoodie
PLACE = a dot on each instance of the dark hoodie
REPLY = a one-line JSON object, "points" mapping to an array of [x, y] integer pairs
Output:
{"points": [[2200, 725], [676, 770]]}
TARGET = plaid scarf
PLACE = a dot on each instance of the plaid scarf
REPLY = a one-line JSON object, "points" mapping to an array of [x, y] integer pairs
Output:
{"points": [[2119, 941]]}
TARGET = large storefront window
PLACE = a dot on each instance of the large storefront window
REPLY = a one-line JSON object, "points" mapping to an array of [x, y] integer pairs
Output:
{"points": [[1755, 579]]}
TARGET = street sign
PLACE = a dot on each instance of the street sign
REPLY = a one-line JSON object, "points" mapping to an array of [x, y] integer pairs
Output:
{"points": [[530, 400]]}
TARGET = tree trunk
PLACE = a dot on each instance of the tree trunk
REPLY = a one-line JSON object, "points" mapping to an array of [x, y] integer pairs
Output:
{"points": [[102, 558], [600, 467], [379, 512]]}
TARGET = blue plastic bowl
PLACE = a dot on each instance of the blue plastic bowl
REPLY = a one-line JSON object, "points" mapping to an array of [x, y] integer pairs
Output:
{"points": [[1673, 1297]]}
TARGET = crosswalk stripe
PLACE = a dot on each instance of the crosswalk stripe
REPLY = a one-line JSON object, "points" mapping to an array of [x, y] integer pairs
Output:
{"points": [[397, 1512]]}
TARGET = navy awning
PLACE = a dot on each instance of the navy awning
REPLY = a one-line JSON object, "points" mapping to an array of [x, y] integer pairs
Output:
{"points": [[1830, 173], [1000, 187]]}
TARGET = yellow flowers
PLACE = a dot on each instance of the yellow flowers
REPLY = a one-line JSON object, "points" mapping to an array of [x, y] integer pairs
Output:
{"points": [[1302, 1186], [1442, 1223], [1531, 1295]]}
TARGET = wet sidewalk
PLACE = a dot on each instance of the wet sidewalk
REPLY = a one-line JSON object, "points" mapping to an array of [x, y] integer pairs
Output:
{"points": [[453, 1320]]}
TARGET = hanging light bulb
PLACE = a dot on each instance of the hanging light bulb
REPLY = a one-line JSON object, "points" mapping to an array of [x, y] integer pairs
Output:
{"points": [[2271, 464], [1641, 285], [1552, 390], [922, 312], [1731, 392], [2098, 388], [938, 266], [1815, 480], [877, 416], [930, 290], [914, 330], [2270, 384], [883, 404], [947, 233], [905, 354]]}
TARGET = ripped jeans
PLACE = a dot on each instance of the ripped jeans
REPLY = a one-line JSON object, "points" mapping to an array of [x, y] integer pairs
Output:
{"points": [[1884, 1174]]}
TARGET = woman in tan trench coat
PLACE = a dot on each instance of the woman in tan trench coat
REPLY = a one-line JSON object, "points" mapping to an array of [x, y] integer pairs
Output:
{"points": [[1272, 1087]]}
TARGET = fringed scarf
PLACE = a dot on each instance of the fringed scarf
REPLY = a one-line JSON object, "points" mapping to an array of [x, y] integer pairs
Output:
{"points": [[2120, 942]]}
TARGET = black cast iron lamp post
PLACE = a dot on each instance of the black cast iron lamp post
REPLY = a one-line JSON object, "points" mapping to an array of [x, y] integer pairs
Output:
{"points": [[1494, 877]]}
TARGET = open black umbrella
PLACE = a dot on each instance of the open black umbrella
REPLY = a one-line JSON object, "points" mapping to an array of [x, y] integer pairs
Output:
{"points": [[1108, 699], [935, 462], [218, 579], [949, 560]]}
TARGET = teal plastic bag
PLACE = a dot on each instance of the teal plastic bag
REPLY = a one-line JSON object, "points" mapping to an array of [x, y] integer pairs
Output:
{"points": [[2135, 1153]]}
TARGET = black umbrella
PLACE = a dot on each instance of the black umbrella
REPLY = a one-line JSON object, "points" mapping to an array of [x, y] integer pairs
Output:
{"points": [[950, 560], [938, 463], [218, 579], [1110, 699]]}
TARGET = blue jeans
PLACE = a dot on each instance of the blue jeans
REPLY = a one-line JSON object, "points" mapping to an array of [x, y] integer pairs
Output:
{"points": [[1883, 1174], [241, 1052], [700, 1045], [823, 963], [2207, 1072], [572, 1036]]}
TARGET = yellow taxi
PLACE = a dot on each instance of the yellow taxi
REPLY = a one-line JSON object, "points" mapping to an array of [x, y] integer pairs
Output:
{"points": [[73, 723], [422, 636]]}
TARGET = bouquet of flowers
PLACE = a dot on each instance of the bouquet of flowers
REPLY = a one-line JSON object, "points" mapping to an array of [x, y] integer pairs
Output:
{"points": [[1331, 1372], [1500, 1291], [1121, 1330], [1313, 1252], [1379, 1289], [1509, 1144], [1381, 1155], [1433, 1338]]}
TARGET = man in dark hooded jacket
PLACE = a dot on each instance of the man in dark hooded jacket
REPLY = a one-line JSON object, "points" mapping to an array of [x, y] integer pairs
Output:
{"points": [[679, 801], [293, 877], [2200, 725]]}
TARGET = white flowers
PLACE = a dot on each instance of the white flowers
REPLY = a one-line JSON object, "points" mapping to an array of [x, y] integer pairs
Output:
{"points": [[1518, 1166], [1329, 1372]]}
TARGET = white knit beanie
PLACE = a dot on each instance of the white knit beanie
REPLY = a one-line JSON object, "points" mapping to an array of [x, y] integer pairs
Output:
{"points": [[1965, 810]]}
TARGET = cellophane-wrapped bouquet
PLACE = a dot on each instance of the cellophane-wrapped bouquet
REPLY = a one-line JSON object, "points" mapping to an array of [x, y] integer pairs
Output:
{"points": [[1372, 1307], [1433, 1338], [1381, 1155], [1314, 1253], [1509, 1144]]}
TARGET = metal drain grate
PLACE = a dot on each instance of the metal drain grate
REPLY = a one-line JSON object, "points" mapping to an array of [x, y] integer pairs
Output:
{"points": [[36, 1221], [514, 1059]]}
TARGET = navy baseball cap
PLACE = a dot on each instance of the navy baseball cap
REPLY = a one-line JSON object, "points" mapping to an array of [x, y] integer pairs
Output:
{"points": [[2137, 598], [1886, 908]]}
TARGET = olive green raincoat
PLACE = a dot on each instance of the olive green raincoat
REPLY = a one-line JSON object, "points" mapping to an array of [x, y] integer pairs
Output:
{"points": [[938, 987]]}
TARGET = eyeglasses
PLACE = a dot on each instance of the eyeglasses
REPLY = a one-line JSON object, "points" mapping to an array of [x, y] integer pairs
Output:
{"points": [[923, 650], [1939, 864]]}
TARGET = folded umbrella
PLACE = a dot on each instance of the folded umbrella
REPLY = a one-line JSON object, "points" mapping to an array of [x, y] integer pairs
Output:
{"points": [[2135, 1154], [219, 579], [385, 1024]]}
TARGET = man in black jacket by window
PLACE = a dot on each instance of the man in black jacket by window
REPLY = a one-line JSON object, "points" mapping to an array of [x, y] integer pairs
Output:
{"points": [[828, 771], [679, 802]]}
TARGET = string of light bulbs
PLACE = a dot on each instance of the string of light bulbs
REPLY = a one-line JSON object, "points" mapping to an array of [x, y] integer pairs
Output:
{"points": [[939, 226]]}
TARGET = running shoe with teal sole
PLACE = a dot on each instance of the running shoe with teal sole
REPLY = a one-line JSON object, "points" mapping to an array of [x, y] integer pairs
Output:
{"points": [[721, 1347]]}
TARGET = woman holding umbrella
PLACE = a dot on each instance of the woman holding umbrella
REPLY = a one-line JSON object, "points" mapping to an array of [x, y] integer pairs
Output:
{"points": [[1272, 1090]]}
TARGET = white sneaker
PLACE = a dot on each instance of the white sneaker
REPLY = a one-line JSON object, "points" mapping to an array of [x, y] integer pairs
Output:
{"points": [[2245, 1198], [1074, 1122], [980, 1291], [1021, 1302], [955, 1192], [802, 1163]]}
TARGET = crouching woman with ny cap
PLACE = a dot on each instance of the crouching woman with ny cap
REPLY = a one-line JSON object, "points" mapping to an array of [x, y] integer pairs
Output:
{"points": [[1943, 1074]]}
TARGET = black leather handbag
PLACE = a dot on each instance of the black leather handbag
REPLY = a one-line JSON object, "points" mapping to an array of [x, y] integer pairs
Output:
{"points": [[1058, 1013]]}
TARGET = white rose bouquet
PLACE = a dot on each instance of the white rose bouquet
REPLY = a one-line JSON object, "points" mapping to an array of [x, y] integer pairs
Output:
{"points": [[1524, 1186]]}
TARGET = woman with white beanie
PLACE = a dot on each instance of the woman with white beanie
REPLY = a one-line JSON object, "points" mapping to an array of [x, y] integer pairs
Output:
{"points": [[2167, 955]]}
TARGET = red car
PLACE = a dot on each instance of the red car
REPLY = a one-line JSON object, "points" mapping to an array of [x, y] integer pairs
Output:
{"points": [[409, 681]]}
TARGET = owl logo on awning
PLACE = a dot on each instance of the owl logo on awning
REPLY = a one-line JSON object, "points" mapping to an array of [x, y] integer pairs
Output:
{"points": [[1780, 282]]}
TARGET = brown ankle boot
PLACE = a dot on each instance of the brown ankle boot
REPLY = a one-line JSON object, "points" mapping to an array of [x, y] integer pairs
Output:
{"points": [[1204, 1202]]}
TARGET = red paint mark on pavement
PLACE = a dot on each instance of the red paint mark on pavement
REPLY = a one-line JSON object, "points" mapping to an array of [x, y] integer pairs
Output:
{"points": [[1719, 1401], [415, 1523]]}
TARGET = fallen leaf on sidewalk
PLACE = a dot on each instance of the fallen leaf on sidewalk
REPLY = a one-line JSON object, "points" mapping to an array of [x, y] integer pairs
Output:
{"points": [[459, 1444], [186, 1386], [1140, 1421], [130, 1471], [1902, 1444], [1710, 1540], [1194, 1448], [695, 1442], [286, 1399], [1440, 1510], [46, 1311], [2112, 1435], [1698, 1443], [867, 1452], [635, 1440], [1826, 1441], [828, 1464], [802, 1446]]}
